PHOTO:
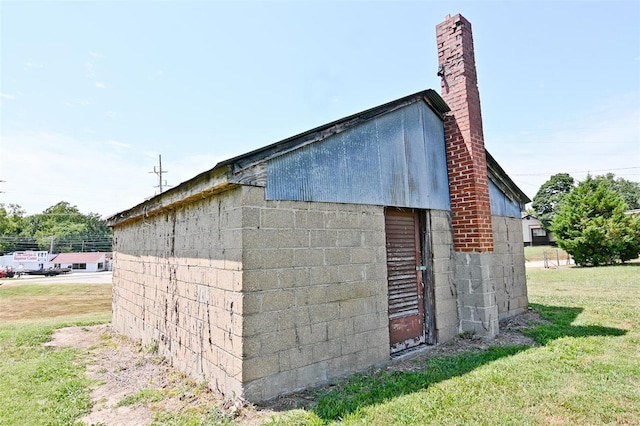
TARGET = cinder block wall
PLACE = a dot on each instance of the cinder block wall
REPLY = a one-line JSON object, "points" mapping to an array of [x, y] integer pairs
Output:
{"points": [[315, 292], [177, 283], [447, 321], [509, 269]]}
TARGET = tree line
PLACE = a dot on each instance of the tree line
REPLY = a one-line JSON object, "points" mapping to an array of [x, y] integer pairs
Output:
{"points": [[592, 220], [61, 227]]}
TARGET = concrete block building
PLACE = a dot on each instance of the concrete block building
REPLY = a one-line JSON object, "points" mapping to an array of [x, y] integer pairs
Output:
{"points": [[328, 252]]}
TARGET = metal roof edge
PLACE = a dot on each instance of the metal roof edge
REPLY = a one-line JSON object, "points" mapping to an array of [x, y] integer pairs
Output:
{"points": [[499, 177]]}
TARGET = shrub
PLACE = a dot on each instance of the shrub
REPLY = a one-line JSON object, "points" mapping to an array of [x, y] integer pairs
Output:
{"points": [[593, 228]]}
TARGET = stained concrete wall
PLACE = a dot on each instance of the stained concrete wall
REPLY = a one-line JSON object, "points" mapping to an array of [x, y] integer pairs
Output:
{"points": [[177, 283], [315, 292], [447, 321], [263, 297], [509, 266], [304, 301], [492, 285]]}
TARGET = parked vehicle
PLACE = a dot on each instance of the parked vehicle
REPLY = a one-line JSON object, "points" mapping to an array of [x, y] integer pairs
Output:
{"points": [[48, 272], [7, 273]]}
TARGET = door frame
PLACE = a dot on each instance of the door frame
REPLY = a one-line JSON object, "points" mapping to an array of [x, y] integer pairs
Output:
{"points": [[424, 256]]}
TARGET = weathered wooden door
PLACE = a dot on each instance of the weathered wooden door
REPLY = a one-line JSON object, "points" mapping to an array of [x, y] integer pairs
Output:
{"points": [[404, 272]]}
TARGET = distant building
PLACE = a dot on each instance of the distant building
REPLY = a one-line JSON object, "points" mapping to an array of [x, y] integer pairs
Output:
{"points": [[85, 262], [534, 234], [27, 260]]}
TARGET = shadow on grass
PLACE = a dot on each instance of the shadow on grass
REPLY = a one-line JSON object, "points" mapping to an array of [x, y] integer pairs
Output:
{"points": [[560, 319], [362, 390]]}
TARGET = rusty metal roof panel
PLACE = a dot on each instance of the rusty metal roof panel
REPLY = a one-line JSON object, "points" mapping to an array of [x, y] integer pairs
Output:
{"points": [[396, 159]]}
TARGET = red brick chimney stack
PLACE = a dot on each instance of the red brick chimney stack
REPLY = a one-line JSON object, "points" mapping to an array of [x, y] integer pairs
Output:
{"points": [[466, 161]]}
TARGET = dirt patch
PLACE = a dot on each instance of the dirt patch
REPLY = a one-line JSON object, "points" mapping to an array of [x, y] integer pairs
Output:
{"points": [[124, 371], [133, 384]]}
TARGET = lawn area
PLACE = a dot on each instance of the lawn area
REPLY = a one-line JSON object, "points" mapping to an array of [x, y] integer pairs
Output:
{"points": [[41, 385], [585, 371], [537, 253]]}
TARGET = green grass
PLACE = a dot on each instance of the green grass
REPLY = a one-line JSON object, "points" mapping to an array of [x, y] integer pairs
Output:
{"points": [[585, 371], [142, 397], [537, 253], [41, 385]]}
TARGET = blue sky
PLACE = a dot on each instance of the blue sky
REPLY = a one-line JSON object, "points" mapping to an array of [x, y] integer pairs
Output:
{"points": [[92, 92]]}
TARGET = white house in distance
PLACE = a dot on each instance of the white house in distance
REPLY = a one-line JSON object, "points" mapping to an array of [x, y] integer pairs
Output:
{"points": [[533, 233], [88, 262]]}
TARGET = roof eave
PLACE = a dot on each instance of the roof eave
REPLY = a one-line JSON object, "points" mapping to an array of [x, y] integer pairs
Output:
{"points": [[204, 185]]}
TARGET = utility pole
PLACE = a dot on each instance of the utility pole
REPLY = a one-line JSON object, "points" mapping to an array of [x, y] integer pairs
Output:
{"points": [[51, 246], [159, 172]]}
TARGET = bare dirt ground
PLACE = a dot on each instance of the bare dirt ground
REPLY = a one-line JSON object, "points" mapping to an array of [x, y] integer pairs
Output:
{"points": [[122, 369]]}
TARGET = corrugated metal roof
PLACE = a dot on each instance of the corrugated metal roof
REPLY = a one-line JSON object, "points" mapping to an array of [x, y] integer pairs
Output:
{"points": [[430, 96], [395, 159]]}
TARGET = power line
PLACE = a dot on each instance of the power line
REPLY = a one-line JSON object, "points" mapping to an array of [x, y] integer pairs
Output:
{"points": [[581, 171]]}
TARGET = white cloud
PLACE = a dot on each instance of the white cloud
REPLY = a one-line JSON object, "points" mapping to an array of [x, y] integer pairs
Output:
{"points": [[100, 85], [111, 114], [90, 70], [156, 75], [7, 96], [32, 65], [102, 176], [77, 103], [119, 147], [84, 172], [95, 54]]}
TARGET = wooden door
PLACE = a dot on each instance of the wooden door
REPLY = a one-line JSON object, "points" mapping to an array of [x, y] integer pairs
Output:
{"points": [[404, 272]]}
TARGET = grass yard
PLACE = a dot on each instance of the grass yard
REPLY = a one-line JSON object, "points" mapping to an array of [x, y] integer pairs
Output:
{"points": [[585, 371], [537, 253], [41, 385]]}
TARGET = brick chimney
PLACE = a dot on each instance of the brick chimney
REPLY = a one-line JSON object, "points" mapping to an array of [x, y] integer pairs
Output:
{"points": [[466, 161], [468, 185]]}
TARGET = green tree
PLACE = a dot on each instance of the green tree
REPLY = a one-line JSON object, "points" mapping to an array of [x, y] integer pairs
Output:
{"points": [[68, 230], [12, 224], [549, 197], [628, 190], [592, 227]]}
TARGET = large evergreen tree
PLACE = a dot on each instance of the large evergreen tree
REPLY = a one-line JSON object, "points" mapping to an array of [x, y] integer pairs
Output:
{"points": [[549, 197], [592, 226]]}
